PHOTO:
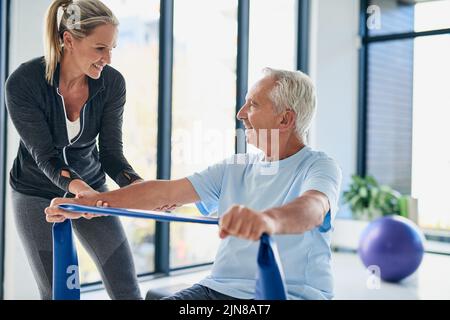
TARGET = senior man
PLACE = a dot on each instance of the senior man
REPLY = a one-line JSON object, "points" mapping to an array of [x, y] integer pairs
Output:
{"points": [[288, 190]]}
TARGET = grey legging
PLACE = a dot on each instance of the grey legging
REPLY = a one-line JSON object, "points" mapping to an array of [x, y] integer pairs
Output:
{"points": [[103, 238]]}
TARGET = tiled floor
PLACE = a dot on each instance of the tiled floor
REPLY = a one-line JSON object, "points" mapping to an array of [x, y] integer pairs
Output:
{"points": [[431, 281]]}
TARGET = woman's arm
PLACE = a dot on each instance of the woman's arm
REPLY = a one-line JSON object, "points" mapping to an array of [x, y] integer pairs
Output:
{"points": [[110, 138]]}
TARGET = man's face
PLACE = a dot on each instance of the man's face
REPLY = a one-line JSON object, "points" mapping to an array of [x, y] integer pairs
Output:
{"points": [[258, 113]]}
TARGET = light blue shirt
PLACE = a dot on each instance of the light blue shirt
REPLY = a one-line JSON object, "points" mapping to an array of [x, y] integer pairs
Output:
{"points": [[246, 179]]}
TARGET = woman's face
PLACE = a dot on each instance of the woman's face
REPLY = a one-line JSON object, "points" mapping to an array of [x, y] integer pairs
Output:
{"points": [[92, 53]]}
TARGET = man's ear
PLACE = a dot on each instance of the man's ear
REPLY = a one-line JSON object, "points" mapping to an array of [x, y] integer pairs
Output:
{"points": [[287, 121]]}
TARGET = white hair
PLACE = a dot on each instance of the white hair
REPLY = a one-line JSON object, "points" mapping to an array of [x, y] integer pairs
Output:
{"points": [[294, 90]]}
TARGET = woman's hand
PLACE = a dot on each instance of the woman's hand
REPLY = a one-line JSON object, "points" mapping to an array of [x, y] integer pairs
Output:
{"points": [[88, 198], [55, 214]]}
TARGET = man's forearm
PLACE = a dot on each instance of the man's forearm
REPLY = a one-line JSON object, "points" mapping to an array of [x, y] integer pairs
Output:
{"points": [[149, 195], [303, 214], [146, 195]]}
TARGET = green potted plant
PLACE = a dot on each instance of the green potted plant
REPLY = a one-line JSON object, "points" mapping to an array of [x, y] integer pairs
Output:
{"points": [[368, 199]]}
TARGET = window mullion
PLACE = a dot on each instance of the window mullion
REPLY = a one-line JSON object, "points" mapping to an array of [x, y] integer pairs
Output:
{"points": [[162, 232]]}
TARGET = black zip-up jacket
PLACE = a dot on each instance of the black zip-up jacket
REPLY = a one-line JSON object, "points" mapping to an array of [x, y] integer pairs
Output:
{"points": [[38, 113]]}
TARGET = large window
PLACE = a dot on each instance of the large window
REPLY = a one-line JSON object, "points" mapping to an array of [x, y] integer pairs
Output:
{"points": [[204, 87], [136, 57], [390, 88], [431, 154], [406, 103], [204, 91], [273, 36], [402, 16], [272, 39]]}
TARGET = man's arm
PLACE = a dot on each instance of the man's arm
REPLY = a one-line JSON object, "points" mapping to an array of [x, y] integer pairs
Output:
{"points": [[304, 213], [148, 195]]}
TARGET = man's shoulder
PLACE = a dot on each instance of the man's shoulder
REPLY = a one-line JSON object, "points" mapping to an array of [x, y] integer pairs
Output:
{"points": [[318, 155], [318, 158]]}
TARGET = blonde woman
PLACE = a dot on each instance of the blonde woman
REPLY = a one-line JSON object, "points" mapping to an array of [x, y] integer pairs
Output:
{"points": [[59, 104]]}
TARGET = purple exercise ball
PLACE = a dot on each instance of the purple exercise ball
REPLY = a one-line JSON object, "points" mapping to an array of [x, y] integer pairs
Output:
{"points": [[394, 244]]}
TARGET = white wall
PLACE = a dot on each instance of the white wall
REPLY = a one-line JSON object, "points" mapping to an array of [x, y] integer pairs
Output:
{"points": [[25, 43], [334, 68]]}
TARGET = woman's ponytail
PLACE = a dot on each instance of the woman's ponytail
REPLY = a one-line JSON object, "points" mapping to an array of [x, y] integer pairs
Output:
{"points": [[52, 37]]}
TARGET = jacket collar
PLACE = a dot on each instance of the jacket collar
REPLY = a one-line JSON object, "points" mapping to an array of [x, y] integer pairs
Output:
{"points": [[95, 86]]}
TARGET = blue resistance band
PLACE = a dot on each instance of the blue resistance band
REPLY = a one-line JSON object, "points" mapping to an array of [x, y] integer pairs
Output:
{"points": [[66, 284], [154, 215], [66, 280]]}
